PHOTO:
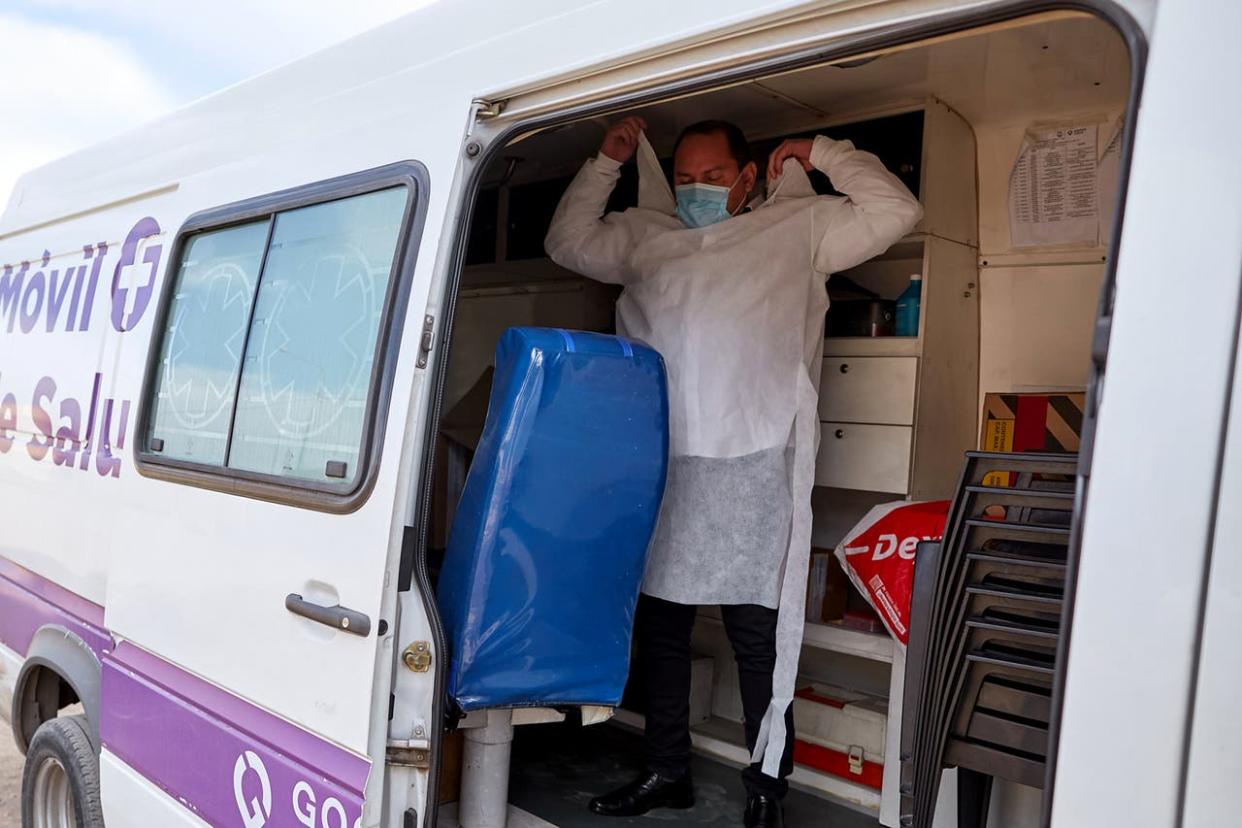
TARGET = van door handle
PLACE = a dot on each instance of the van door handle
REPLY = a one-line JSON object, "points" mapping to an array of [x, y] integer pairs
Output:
{"points": [[338, 617]]}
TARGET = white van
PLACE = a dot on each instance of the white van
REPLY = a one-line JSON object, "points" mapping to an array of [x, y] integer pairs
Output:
{"points": [[238, 593]]}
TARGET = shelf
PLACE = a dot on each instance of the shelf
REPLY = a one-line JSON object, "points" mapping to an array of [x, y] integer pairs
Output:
{"points": [[1044, 257], [861, 346], [875, 646], [725, 740], [837, 511], [836, 638], [907, 248]]}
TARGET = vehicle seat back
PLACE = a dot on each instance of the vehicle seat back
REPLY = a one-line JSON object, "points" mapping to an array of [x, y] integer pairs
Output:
{"points": [[549, 542]]}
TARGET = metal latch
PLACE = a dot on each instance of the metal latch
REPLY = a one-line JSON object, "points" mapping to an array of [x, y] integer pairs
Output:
{"points": [[425, 343], [417, 656], [856, 759], [484, 109]]}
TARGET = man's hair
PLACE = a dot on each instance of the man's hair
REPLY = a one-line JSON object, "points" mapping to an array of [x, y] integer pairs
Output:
{"points": [[739, 147]]}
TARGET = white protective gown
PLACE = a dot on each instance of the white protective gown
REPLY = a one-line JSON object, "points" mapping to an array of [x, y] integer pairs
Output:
{"points": [[737, 310]]}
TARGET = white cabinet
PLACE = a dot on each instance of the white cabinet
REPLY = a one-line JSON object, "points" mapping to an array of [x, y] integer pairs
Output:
{"points": [[868, 390], [897, 413], [874, 458], [916, 396]]}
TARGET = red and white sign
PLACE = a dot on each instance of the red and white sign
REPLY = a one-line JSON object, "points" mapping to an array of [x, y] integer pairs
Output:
{"points": [[878, 555]]}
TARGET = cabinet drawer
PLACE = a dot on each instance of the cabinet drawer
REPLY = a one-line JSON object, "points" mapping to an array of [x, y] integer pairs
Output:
{"points": [[874, 458], [868, 390]]}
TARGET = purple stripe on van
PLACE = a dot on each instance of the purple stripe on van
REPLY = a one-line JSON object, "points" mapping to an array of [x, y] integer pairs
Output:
{"points": [[29, 601], [227, 760]]}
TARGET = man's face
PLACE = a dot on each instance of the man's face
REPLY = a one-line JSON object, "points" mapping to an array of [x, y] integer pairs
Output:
{"points": [[705, 159]]}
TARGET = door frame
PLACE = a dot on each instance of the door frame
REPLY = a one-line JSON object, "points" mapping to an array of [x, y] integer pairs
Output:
{"points": [[482, 144]]}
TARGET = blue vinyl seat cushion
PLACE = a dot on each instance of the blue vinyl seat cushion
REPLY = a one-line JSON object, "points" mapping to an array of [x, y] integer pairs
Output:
{"points": [[548, 545]]}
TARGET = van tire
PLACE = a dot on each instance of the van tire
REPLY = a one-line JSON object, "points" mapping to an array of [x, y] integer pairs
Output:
{"points": [[62, 741]]}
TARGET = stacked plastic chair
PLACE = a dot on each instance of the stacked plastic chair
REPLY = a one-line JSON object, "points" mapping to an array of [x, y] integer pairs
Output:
{"points": [[985, 632]]}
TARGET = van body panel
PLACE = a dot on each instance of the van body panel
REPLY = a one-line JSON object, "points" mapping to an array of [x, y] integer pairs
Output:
{"points": [[36, 602], [10, 669], [367, 80], [176, 567], [198, 577], [154, 710], [73, 368], [1161, 422], [142, 802], [194, 580], [1214, 761], [44, 625], [63, 652]]}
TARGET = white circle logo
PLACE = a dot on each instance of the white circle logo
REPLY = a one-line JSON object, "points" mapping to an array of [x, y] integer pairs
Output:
{"points": [[254, 813]]}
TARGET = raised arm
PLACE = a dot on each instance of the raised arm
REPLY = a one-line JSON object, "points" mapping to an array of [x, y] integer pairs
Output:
{"points": [[580, 237], [877, 209]]}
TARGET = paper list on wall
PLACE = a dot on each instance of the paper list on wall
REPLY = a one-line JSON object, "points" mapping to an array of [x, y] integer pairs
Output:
{"points": [[1053, 197], [1108, 178]]}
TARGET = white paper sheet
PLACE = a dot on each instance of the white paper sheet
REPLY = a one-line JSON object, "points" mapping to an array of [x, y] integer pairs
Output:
{"points": [[1108, 179], [1053, 197]]}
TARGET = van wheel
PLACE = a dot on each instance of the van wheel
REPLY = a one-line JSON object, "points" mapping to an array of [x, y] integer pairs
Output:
{"points": [[60, 784]]}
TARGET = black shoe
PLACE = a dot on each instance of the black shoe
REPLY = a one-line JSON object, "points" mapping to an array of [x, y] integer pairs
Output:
{"points": [[651, 790], [764, 812]]}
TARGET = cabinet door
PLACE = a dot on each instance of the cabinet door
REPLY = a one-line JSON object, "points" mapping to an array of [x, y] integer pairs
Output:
{"points": [[868, 390], [873, 458]]}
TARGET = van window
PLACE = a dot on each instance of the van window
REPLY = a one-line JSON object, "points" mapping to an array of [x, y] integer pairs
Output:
{"points": [[267, 360], [304, 380], [203, 340]]}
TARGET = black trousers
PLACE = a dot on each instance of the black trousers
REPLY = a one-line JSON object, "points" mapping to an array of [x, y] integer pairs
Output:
{"points": [[664, 629]]}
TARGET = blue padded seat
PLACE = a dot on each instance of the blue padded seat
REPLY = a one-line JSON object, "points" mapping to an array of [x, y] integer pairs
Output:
{"points": [[548, 545]]}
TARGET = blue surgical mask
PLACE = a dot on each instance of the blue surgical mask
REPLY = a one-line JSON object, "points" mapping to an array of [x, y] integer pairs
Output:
{"points": [[700, 205]]}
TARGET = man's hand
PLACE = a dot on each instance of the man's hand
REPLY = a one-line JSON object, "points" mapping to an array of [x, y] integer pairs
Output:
{"points": [[621, 140], [799, 148]]}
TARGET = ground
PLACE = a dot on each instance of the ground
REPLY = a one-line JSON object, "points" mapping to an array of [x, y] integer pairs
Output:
{"points": [[10, 779]]}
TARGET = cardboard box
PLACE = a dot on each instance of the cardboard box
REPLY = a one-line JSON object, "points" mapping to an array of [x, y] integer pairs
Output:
{"points": [[828, 587], [451, 745], [1050, 422], [460, 430]]}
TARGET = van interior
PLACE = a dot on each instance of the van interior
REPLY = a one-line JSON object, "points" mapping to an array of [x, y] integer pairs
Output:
{"points": [[1009, 302]]}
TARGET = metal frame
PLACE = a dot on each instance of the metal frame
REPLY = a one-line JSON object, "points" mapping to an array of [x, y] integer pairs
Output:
{"points": [[327, 497], [1213, 535], [480, 152]]}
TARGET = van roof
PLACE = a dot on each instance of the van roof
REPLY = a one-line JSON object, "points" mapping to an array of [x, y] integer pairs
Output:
{"points": [[444, 55], [468, 46]]}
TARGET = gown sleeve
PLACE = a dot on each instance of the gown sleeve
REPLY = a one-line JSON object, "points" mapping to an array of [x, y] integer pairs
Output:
{"points": [[877, 209], [581, 237]]}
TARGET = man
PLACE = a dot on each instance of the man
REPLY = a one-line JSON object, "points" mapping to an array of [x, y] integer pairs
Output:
{"points": [[731, 291]]}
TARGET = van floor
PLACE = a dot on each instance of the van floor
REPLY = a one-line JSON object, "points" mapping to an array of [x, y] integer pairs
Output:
{"points": [[557, 769]]}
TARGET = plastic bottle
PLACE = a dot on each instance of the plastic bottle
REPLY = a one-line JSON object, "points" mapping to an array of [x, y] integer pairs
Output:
{"points": [[908, 307]]}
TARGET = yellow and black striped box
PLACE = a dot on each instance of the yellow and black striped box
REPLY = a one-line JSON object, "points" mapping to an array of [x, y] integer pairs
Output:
{"points": [[1030, 422]]}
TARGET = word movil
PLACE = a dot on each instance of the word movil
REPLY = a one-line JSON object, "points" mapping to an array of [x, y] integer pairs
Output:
{"points": [[73, 424]]}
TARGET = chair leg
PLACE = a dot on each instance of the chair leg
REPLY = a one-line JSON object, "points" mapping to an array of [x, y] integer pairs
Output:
{"points": [[974, 794]]}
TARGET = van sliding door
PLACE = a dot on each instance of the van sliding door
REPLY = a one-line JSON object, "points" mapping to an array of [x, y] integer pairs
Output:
{"points": [[251, 559], [1147, 558]]}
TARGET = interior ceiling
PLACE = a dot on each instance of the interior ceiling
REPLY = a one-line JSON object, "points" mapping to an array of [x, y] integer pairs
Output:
{"points": [[1016, 73]]}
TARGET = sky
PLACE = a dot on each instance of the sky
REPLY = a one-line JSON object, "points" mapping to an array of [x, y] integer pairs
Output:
{"points": [[74, 72]]}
